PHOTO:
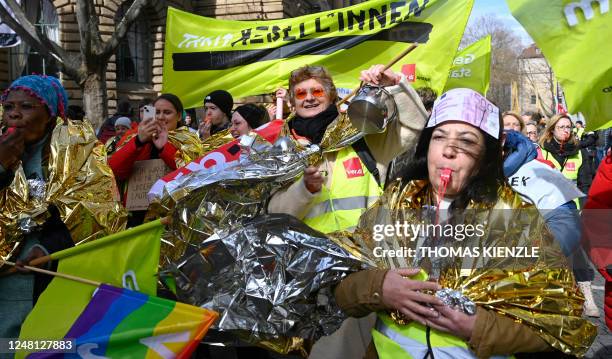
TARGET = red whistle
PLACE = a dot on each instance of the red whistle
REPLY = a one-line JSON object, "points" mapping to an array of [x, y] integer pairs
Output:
{"points": [[9, 130], [446, 175]]}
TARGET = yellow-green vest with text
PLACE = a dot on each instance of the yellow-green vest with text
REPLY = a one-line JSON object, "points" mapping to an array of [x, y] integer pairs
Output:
{"points": [[352, 188], [393, 340], [572, 165]]}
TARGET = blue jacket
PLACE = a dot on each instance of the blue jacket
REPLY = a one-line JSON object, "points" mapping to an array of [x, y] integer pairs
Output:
{"points": [[563, 221]]}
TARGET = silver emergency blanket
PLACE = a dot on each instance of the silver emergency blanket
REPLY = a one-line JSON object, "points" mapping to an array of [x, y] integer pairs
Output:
{"points": [[269, 276], [202, 203], [270, 279], [37, 189]]}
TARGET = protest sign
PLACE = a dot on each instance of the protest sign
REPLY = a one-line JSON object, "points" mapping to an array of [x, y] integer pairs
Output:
{"points": [[144, 175], [254, 57]]}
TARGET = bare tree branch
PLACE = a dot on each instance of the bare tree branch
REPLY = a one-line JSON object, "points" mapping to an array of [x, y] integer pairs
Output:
{"points": [[87, 66], [21, 25], [29, 34], [505, 47], [89, 32], [130, 16]]}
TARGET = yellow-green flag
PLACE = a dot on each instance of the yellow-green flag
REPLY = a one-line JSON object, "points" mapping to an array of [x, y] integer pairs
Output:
{"points": [[254, 57], [126, 259], [574, 36], [472, 67]]}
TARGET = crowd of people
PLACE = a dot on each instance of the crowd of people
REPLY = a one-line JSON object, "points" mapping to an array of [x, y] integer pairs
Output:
{"points": [[453, 161]]}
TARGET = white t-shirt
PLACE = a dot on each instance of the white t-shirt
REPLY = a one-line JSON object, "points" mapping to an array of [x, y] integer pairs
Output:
{"points": [[545, 187]]}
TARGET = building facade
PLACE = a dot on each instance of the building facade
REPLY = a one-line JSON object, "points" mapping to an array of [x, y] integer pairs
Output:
{"points": [[537, 85], [135, 71]]}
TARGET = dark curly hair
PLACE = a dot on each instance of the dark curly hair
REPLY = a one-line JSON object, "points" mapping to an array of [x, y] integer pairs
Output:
{"points": [[481, 188]]}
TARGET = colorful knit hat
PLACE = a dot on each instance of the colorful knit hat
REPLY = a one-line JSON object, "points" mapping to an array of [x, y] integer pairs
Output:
{"points": [[47, 89]]}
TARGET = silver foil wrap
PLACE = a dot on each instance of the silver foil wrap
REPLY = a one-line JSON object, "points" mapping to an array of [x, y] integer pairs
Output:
{"points": [[454, 298], [37, 189], [27, 225], [270, 277]]}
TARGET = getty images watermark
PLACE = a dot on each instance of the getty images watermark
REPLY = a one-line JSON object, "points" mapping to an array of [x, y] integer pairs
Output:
{"points": [[411, 232]]}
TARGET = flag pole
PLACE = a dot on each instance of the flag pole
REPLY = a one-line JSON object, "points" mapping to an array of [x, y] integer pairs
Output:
{"points": [[393, 62], [56, 274]]}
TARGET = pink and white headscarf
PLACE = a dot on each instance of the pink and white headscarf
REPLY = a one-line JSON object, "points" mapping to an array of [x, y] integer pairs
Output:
{"points": [[467, 106]]}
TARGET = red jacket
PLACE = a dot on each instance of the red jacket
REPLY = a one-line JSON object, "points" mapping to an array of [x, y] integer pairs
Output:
{"points": [[597, 219], [122, 161]]}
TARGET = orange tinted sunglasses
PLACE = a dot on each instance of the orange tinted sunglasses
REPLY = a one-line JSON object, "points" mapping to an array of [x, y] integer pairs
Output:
{"points": [[301, 94]]}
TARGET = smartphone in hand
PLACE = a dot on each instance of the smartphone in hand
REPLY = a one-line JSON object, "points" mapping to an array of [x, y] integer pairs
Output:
{"points": [[148, 112]]}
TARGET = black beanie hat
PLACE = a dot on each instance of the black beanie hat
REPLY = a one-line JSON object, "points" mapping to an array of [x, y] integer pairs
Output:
{"points": [[254, 115], [221, 99]]}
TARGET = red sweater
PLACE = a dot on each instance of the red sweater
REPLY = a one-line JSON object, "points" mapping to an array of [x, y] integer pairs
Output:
{"points": [[122, 161], [600, 193], [597, 218]]}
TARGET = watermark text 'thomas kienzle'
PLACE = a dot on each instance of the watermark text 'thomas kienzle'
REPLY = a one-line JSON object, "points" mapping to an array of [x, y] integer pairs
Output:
{"points": [[411, 232]]}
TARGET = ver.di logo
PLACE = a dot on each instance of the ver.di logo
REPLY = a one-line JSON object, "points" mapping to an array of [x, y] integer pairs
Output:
{"points": [[586, 7]]}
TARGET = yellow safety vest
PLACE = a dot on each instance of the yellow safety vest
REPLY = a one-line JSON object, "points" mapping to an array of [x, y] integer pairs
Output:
{"points": [[352, 188], [570, 170], [410, 341], [579, 132], [393, 340], [572, 165]]}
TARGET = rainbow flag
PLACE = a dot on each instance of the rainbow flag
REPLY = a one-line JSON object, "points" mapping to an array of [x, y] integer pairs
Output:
{"points": [[125, 259], [121, 323]]}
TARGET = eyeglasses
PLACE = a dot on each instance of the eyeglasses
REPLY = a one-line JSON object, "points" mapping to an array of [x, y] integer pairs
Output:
{"points": [[532, 133], [301, 94], [563, 127], [23, 106]]}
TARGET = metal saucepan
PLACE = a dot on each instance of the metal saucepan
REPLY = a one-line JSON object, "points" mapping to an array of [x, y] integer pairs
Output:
{"points": [[372, 109]]}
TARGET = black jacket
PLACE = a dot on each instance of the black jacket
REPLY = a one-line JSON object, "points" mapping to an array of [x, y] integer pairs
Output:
{"points": [[55, 237]]}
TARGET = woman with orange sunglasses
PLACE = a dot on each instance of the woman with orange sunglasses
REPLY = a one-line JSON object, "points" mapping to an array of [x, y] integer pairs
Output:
{"points": [[332, 194]]}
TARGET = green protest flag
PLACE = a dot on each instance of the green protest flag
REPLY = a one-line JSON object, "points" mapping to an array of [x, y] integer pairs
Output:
{"points": [[574, 36], [472, 67], [125, 259], [255, 57]]}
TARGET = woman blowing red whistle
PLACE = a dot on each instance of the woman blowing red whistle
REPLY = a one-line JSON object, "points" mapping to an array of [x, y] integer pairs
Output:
{"points": [[457, 166]]}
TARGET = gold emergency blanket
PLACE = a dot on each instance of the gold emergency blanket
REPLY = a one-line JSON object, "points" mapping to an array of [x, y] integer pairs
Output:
{"points": [[537, 291], [217, 140], [187, 143], [80, 184]]}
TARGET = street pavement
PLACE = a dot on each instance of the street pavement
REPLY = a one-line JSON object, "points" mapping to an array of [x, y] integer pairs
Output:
{"points": [[602, 347]]}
